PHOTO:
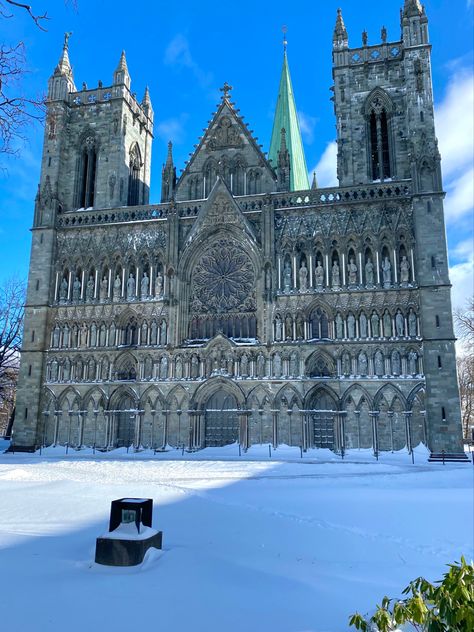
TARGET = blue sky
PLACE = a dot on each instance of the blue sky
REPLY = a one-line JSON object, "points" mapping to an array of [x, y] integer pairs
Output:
{"points": [[185, 52]]}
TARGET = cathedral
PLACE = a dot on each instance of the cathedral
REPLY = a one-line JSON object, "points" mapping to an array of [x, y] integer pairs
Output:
{"points": [[248, 305]]}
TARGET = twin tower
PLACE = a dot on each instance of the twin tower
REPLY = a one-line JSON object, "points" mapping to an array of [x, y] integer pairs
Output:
{"points": [[308, 316]]}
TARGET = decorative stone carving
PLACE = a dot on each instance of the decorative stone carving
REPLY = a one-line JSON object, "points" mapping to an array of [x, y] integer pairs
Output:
{"points": [[277, 365], [346, 364], [159, 285], [412, 360], [63, 290], [319, 275], [399, 323], [90, 289], [225, 135], [287, 277], [379, 364], [130, 287], [164, 368], [352, 272], [260, 365], [387, 272], [144, 284], [339, 327], [303, 274], [363, 325], [369, 272], [362, 362], [387, 324], [278, 328], [104, 289], [351, 325], [404, 271], [412, 329], [335, 275], [117, 288], [375, 325], [76, 290], [396, 365]]}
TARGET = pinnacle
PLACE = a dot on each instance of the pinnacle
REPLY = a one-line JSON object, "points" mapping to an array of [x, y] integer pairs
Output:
{"points": [[122, 65], [146, 97], [340, 31], [412, 8], [64, 65]]}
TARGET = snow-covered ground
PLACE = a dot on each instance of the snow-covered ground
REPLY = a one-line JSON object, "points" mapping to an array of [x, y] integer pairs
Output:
{"points": [[251, 544]]}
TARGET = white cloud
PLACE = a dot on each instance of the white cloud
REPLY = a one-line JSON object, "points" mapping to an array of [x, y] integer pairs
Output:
{"points": [[460, 195], [178, 53], [172, 129], [327, 167], [307, 125]]}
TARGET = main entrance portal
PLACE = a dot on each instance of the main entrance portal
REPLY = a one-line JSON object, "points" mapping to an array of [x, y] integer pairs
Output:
{"points": [[323, 421], [222, 420]]}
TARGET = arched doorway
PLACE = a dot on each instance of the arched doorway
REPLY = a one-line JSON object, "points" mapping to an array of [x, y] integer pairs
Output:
{"points": [[322, 413], [222, 420], [125, 422]]}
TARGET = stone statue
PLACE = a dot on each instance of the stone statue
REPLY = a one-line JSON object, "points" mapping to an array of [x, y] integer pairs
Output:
{"points": [[303, 273], [277, 365], [399, 323], [145, 282], [130, 287], [378, 364], [412, 358], [351, 325], [75, 337], [93, 338], [102, 335], [178, 368], [396, 366], [112, 334], [404, 270], [369, 272], [363, 325], [117, 288], [335, 275], [387, 324], [261, 365], [54, 371], [352, 272], [319, 274], [339, 327], [278, 328], [153, 332], [387, 272], [375, 324], [66, 336], [287, 277], [90, 289], [362, 363], [164, 368], [346, 364], [194, 366], [76, 289], [63, 290], [244, 365], [163, 330], [144, 336], [66, 371], [299, 327], [288, 327], [56, 336], [103, 289], [159, 285], [412, 323]]}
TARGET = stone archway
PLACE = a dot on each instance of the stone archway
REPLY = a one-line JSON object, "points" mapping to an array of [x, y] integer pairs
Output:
{"points": [[125, 422], [322, 412], [222, 423]]}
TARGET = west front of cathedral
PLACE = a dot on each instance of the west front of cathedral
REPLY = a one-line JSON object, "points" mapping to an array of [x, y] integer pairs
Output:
{"points": [[248, 305]]}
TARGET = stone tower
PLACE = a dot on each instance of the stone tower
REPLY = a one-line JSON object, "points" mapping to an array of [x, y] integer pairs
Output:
{"points": [[383, 102]]}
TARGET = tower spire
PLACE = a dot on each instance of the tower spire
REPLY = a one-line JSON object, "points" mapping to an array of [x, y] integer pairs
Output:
{"points": [[168, 176], [340, 38], [61, 81], [121, 74], [287, 119]]}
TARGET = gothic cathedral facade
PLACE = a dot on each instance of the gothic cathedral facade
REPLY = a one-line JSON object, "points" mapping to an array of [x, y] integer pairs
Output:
{"points": [[248, 305]]}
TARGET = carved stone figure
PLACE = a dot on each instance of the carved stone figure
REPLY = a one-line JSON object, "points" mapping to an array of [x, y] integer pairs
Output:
{"points": [[369, 272], [93, 338], [102, 335], [66, 336], [396, 365], [387, 272], [104, 289], [76, 289], [303, 274], [117, 288], [404, 270], [159, 285], [90, 288], [287, 277], [335, 275], [278, 328], [294, 372], [144, 334], [387, 324], [164, 368], [194, 366], [144, 283], [178, 368], [399, 323], [66, 371], [153, 333], [54, 371], [412, 358], [346, 364], [75, 337], [130, 287], [277, 365], [363, 325], [412, 329], [63, 290], [339, 327], [288, 327], [379, 364], [351, 325], [163, 331], [112, 335], [261, 365], [352, 272], [299, 327], [244, 365], [319, 275], [56, 336], [362, 361], [375, 325]]}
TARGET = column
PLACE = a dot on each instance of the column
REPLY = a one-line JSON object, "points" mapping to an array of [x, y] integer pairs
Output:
{"points": [[123, 282], [279, 272], [150, 287], [295, 272], [96, 283], [378, 266], [109, 292], [361, 278], [137, 281], [412, 266], [326, 258], [69, 286], [311, 271], [56, 285], [395, 266], [390, 419], [82, 284], [408, 414], [343, 256], [375, 439]]}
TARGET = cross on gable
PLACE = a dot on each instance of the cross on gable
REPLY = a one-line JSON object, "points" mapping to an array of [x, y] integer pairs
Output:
{"points": [[226, 88]]}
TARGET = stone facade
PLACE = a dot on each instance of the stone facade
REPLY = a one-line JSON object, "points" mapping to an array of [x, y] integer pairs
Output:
{"points": [[236, 310]]}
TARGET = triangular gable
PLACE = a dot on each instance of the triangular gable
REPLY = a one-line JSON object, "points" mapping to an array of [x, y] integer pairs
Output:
{"points": [[220, 210], [226, 131]]}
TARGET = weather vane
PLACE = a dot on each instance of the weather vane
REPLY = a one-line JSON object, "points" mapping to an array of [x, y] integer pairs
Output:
{"points": [[284, 29]]}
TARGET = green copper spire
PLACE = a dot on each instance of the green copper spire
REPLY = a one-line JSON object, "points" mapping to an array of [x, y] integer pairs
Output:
{"points": [[287, 119]]}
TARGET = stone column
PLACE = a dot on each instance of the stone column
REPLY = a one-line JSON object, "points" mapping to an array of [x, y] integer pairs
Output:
{"points": [[377, 259], [408, 415], [375, 438]]}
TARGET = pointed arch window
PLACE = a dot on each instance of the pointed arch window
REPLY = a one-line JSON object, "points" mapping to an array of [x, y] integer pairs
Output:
{"points": [[85, 189], [135, 164], [378, 112]]}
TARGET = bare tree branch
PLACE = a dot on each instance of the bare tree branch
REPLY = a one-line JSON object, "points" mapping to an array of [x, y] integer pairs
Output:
{"points": [[37, 18], [12, 307]]}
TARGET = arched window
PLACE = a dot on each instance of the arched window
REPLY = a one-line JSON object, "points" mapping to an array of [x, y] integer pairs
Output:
{"points": [[85, 188], [378, 119], [210, 173], [135, 164]]}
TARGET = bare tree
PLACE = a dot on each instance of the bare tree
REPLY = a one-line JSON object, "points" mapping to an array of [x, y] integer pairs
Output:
{"points": [[464, 322]]}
